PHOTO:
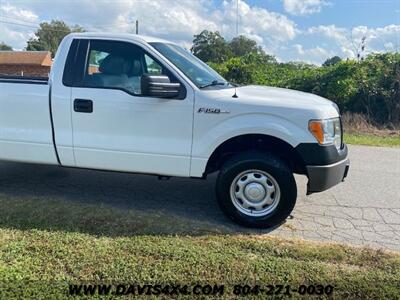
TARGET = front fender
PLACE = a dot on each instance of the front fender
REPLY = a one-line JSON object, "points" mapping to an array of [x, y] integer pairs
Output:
{"points": [[207, 136]]}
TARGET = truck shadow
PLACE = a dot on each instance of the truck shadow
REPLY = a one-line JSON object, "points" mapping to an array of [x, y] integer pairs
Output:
{"points": [[108, 203]]}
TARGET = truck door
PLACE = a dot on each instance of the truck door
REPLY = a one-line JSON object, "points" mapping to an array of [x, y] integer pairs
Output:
{"points": [[117, 128]]}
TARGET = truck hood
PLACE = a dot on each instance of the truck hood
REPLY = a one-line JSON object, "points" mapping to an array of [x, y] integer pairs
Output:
{"points": [[280, 97]]}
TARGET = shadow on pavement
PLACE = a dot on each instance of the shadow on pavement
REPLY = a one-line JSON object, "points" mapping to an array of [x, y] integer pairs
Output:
{"points": [[109, 203]]}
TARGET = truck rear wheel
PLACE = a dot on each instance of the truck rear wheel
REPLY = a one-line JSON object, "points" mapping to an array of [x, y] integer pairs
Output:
{"points": [[256, 189]]}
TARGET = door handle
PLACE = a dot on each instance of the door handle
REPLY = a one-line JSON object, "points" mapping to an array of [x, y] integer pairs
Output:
{"points": [[83, 105]]}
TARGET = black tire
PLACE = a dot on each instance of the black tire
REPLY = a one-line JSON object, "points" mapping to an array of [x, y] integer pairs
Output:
{"points": [[260, 161]]}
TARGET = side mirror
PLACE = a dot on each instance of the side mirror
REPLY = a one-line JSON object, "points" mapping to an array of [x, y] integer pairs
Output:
{"points": [[159, 86]]}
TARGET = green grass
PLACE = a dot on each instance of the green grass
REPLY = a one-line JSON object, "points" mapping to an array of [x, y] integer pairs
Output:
{"points": [[372, 140], [47, 243]]}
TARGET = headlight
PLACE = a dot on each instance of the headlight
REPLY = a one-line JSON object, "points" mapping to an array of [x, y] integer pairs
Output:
{"points": [[327, 131], [336, 107]]}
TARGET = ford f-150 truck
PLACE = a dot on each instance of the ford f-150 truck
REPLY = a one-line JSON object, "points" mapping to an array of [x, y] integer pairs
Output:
{"points": [[139, 104]]}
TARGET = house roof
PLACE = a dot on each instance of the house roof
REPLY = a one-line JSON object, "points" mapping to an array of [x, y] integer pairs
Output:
{"points": [[37, 58]]}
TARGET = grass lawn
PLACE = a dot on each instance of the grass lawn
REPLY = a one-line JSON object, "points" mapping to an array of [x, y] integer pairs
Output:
{"points": [[47, 243], [372, 140]]}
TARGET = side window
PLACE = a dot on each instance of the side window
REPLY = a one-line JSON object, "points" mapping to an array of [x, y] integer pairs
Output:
{"points": [[114, 64], [95, 58], [152, 67]]}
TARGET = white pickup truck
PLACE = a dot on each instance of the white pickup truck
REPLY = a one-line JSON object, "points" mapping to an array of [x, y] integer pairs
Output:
{"points": [[139, 104]]}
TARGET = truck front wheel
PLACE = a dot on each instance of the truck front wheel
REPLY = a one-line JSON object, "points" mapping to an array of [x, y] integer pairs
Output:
{"points": [[256, 189]]}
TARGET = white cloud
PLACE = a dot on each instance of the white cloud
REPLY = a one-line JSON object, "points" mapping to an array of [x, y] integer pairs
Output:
{"points": [[378, 39], [12, 34], [389, 46], [330, 31], [8, 10], [177, 20], [314, 55], [163, 19], [257, 22], [303, 7], [16, 38], [349, 41]]}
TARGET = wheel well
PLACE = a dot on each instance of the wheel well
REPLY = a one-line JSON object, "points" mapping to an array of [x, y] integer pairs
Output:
{"points": [[259, 142]]}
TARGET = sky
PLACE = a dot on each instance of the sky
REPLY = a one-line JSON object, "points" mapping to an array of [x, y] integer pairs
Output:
{"points": [[292, 30]]}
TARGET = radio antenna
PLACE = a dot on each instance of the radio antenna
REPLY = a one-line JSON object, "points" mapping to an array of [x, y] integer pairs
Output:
{"points": [[237, 34], [235, 95]]}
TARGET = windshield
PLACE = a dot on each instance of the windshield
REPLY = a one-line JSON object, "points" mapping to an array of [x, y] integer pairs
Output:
{"points": [[197, 71]]}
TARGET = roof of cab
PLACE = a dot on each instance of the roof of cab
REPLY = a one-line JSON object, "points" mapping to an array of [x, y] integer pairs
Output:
{"points": [[135, 37]]}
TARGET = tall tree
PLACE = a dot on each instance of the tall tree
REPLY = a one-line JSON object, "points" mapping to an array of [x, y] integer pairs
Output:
{"points": [[50, 35], [332, 61], [242, 45], [5, 47], [211, 47]]}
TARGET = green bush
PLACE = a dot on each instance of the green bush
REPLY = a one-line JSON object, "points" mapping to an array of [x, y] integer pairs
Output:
{"points": [[371, 86]]}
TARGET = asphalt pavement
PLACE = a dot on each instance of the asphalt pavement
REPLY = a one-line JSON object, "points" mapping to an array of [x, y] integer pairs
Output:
{"points": [[363, 210]]}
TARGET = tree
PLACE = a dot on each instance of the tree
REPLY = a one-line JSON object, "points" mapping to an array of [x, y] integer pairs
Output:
{"points": [[242, 45], [5, 47], [50, 35], [332, 61], [211, 47]]}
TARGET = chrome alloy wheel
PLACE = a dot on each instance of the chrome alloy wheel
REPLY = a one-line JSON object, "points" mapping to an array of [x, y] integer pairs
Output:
{"points": [[255, 193]]}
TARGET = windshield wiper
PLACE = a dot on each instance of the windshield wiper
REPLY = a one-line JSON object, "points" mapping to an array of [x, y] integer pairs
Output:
{"points": [[213, 83]]}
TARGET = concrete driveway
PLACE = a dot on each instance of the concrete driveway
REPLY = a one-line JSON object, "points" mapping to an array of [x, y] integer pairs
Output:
{"points": [[364, 210]]}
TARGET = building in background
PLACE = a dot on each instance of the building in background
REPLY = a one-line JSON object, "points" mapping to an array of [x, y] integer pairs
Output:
{"points": [[25, 63]]}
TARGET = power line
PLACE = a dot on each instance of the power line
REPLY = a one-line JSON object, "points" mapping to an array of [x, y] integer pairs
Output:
{"points": [[19, 20], [38, 24], [30, 26]]}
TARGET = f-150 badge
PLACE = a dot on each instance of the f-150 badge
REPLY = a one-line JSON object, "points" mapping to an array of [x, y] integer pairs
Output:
{"points": [[210, 110]]}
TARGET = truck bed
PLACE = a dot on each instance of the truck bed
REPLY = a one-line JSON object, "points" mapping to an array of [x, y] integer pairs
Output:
{"points": [[25, 124], [23, 79]]}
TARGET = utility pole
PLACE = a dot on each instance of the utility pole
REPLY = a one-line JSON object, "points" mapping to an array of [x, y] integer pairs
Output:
{"points": [[137, 26], [237, 17]]}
